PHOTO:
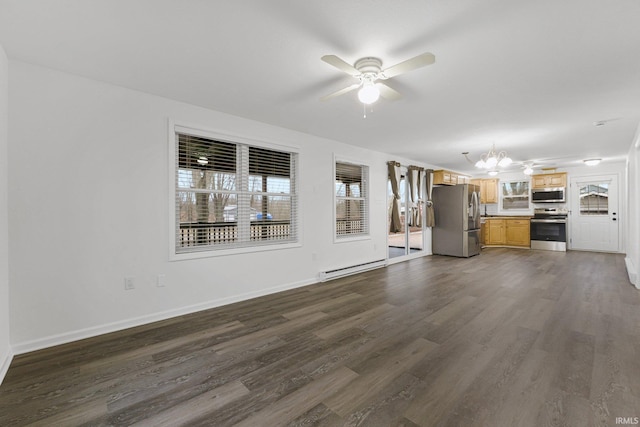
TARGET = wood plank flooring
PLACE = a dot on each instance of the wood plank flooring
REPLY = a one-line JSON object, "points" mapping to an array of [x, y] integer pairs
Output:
{"points": [[509, 338]]}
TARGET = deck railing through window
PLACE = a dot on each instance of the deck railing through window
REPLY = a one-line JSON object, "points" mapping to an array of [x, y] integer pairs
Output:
{"points": [[192, 234], [345, 227]]}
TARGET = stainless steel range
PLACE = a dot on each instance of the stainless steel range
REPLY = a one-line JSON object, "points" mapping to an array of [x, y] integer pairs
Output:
{"points": [[549, 229]]}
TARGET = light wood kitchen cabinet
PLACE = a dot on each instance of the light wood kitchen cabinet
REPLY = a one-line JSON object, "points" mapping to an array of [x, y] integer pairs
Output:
{"points": [[507, 232], [488, 189], [445, 177], [517, 232], [463, 179], [549, 180], [496, 233]]}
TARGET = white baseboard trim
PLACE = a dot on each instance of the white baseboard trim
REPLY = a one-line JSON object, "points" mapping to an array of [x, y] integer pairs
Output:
{"points": [[632, 272], [67, 337], [403, 258], [4, 366]]}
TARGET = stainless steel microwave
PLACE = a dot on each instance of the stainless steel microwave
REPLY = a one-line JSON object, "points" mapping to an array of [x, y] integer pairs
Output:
{"points": [[548, 195]]}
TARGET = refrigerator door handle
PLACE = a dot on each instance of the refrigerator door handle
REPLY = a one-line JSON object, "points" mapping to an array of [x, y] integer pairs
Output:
{"points": [[475, 208]]}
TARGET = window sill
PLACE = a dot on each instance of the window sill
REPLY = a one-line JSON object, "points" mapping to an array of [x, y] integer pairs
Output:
{"points": [[351, 238], [227, 252]]}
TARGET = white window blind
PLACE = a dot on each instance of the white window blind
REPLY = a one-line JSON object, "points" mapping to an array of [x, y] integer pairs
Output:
{"points": [[231, 195], [351, 200]]}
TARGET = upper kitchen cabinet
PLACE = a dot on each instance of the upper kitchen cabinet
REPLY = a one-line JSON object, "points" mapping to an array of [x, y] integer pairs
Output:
{"points": [[549, 180], [488, 189], [445, 177]]}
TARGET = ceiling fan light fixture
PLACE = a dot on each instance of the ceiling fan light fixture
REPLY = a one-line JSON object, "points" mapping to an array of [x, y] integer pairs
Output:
{"points": [[493, 172], [369, 93], [528, 170], [369, 72], [592, 162], [202, 160]]}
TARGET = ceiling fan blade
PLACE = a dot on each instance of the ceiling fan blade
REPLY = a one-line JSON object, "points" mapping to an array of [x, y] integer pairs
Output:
{"points": [[387, 92], [341, 92], [340, 65], [409, 65]]}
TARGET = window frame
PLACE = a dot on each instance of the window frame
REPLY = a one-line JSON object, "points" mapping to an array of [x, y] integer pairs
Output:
{"points": [[366, 188], [204, 252], [502, 196]]}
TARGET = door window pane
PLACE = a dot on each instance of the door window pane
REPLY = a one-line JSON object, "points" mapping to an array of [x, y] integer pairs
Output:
{"points": [[594, 198]]}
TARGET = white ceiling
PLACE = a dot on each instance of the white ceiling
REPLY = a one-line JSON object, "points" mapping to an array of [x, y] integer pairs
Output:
{"points": [[530, 76]]}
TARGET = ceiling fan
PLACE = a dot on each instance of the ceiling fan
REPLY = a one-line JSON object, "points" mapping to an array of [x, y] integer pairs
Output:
{"points": [[370, 76]]}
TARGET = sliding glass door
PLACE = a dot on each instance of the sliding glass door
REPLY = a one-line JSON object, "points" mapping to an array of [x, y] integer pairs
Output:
{"points": [[406, 238]]}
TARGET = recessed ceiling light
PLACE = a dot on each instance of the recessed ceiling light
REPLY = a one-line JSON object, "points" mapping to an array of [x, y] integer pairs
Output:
{"points": [[592, 162]]}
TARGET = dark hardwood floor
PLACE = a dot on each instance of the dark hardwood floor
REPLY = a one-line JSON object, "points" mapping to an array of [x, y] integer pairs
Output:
{"points": [[509, 338]]}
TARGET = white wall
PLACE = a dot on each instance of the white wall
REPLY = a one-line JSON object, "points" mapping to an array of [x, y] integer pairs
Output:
{"points": [[89, 206], [633, 211], [5, 347]]}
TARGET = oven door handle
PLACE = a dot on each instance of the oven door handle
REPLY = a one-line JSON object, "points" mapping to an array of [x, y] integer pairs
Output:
{"points": [[550, 221]]}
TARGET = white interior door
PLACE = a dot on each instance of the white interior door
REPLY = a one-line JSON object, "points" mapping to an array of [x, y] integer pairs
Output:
{"points": [[595, 217]]}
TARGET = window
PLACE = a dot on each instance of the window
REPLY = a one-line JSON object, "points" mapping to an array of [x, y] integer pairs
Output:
{"points": [[594, 198], [351, 200], [232, 195], [515, 195]]}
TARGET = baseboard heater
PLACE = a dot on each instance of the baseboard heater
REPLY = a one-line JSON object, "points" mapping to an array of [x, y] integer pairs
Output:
{"points": [[353, 269]]}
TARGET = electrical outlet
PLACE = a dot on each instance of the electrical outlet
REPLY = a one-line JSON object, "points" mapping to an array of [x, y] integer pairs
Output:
{"points": [[161, 281], [129, 283]]}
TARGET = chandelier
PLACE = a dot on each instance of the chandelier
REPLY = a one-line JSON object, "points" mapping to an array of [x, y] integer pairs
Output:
{"points": [[492, 160]]}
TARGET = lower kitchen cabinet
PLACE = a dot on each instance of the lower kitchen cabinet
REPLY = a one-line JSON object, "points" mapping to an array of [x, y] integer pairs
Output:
{"points": [[495, 232], [517, 232], [507, 231]]}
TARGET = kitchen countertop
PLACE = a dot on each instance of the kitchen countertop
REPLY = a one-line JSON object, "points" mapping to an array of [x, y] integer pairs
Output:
{"points": [[483, 218]]}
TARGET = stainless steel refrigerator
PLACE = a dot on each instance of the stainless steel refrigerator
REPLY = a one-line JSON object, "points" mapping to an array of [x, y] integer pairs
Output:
{"points": [[457, 217]]}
